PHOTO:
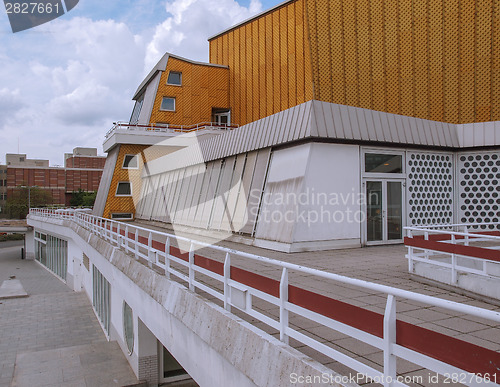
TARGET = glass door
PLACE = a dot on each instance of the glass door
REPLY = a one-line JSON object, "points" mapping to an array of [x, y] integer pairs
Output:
{"points": [[384, 211]]}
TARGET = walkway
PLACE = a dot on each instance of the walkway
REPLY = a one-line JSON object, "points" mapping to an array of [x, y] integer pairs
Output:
{"points": [[52, 338], [380, 264]]}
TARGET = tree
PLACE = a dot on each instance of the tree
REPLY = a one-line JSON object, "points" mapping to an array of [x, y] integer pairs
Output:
{"points": [[82, 198], [23, 197]]}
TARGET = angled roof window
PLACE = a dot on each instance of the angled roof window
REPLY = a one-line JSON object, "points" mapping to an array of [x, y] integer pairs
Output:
{"points": [[174, 78]]}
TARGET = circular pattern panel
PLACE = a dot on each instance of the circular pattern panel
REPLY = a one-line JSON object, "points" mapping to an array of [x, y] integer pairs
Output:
{"points": [[430, 188], [479, 192]]}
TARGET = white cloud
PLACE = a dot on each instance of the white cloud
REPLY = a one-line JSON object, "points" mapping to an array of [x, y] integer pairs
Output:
{"points": [[10, 103], [65, 82], [191, 23]]}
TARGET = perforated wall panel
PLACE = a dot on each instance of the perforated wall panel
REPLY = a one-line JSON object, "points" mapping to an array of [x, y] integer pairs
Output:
{"points": [[479, 182], [430, 188]]}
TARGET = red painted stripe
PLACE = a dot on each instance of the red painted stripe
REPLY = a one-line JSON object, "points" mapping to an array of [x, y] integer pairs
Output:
{"points": [[458, 353], [176, 252], [158, 245], [256, 281], [365, 320], [470, 251], [209, 264], [447, 237]]}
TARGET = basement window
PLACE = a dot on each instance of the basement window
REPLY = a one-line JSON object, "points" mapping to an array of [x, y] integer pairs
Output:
{"points": [[174, 78], [168, 104], [122, 216], [124, 188]]}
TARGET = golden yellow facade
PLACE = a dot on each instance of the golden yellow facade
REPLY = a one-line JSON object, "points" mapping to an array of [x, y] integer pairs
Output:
{"points": [[203, 88], [125, 204], [269, 63], [431, 59]]}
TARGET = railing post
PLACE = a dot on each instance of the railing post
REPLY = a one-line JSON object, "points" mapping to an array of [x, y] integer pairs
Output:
{"points": [[191, 267], [227, 276], [389, 341], [283, 301], [136, 250], [167, 259], [426, 237], [453, 263], [126, 238], [150, 245], [466, 231], [410, 254], [118, 236]]}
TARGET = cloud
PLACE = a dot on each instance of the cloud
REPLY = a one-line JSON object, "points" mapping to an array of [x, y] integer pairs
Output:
{"points": [[191, 23], [65, 82], [77, 80], [10, 103]]}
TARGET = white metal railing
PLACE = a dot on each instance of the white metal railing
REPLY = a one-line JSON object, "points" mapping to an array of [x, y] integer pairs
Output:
{"points": [[157, 249], [169, 128], [431, 245]]}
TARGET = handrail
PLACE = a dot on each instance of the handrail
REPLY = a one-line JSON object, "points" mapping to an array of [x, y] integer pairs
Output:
{"points": [[334, 314], [170, 127], [456, 233]]}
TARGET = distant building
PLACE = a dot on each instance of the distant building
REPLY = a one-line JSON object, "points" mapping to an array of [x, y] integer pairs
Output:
{"points": [[3, 187], [82, 170]]}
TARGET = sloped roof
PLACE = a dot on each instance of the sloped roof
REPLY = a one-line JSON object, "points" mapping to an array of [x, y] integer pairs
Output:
{"points": [[324, 120], [162, 66]]}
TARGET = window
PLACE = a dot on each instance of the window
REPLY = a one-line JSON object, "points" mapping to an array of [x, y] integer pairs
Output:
{"points": [[128, 327], [383, 163], [52, 252], [122, 216], [174, 78], [124, 189], [168, 104], [101, 298], [130, 162]]}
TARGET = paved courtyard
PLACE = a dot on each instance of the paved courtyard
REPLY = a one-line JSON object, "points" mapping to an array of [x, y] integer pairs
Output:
{"points": [[52, 337]]}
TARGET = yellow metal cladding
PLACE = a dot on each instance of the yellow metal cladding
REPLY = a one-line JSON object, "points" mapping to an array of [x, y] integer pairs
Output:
{"points": [[432, 59], [203, 88], [124, 204], [269, 61], [145, 153]]}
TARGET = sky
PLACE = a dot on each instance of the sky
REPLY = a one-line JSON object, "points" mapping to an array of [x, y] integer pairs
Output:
{"points": [[64, 83]]}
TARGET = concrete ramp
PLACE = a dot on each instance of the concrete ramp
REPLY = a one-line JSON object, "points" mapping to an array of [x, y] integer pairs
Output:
{"points": [[12, 288]]}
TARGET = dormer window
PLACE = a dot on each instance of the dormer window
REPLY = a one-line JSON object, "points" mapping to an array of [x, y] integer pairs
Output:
{"points": [[174, 78]]}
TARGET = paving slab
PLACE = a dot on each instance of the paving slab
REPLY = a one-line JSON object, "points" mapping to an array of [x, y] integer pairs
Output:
{"points": [[12, 288], [71, 366]]}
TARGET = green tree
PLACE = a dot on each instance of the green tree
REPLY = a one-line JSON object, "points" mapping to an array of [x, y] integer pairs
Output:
{"points": [[23, 198], [82, 198]]}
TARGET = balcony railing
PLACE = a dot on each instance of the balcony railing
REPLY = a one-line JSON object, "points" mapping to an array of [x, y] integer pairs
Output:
{"points": [[167, 128], [245, 289], [461, 248]]}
